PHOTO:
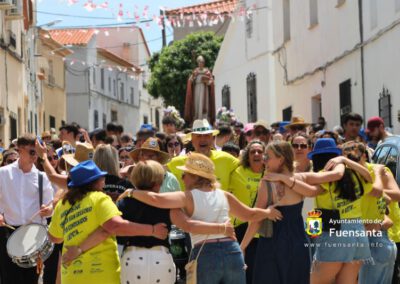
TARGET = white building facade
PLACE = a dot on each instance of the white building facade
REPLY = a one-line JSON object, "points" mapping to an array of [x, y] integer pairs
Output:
{"points": [[318, 58]]}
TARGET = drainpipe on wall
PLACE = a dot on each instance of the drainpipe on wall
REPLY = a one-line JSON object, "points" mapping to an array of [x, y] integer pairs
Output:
{"points": [[360, 22]]}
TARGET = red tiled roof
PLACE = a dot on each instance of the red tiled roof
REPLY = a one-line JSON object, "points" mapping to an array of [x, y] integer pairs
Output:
{"points": [[72, 36], [219, 6]]}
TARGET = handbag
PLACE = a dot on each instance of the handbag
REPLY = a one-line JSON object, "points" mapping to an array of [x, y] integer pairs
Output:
{"points": [[191, 266], [329, 216], [267, 227]]}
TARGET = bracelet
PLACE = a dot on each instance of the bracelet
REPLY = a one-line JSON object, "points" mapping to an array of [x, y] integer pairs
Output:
{"points": [[294, 183], [80, 250]]}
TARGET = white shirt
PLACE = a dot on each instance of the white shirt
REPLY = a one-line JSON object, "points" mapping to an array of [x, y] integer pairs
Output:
{"points": [[209, 206], [19, 194]]}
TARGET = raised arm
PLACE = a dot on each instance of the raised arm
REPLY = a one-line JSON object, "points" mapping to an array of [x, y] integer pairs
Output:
{"points": [[389, 184], [180, 219], [324, 177], [362, 170], [295, 183], [53, 176], [161, 200]]}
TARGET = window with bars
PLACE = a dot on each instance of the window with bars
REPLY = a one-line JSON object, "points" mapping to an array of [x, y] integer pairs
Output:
{"points": [[313, 13], [385, 107], [226, 96], [96, 119], [251, 97]]}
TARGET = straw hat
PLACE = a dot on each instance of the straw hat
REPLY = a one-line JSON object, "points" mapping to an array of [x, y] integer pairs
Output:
{"points": [[201, 127], [297, 121], [150, 144], [199, 165], [83, 152]]}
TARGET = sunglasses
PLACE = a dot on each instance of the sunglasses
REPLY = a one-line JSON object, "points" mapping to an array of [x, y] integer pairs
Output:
{"points": [[252, 152], [349, 148], [261, 132], [173, 144], [249, 133], [299, 146], [296, 128], [53, 158]]}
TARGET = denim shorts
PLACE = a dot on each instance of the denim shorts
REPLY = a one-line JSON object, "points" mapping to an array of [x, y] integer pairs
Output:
{"points": [[384, 252], [220, 262], [345, 245]]}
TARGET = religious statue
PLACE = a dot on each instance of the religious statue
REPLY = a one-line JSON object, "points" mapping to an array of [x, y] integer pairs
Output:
{"points": [[200, 96]]}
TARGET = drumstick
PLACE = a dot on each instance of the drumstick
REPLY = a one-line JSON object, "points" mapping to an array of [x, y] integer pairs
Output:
{"points": [[9, 226], [38, 212]]}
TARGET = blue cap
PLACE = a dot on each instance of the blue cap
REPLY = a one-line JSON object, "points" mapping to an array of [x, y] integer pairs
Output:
{"points": [[282, 125], [146, 126], [85, 173], [324, 146]]}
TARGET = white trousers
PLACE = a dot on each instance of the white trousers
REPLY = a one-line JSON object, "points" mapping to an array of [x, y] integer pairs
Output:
{"points": [[142, 265]]}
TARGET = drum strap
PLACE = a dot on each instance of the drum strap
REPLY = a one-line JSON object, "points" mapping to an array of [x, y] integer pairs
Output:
{"points": [[40, 178]]}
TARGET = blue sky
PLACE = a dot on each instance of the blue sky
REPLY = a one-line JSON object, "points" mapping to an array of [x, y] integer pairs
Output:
{"points": [[77, 10]]}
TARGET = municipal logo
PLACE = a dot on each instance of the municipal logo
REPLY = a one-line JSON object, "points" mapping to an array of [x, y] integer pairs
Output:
{"points": [[314, 223]]}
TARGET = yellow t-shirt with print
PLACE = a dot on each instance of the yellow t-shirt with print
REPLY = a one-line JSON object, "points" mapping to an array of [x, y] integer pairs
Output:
{"points": [[348, 209], [224, 164], [99, 264], [244, 185]]}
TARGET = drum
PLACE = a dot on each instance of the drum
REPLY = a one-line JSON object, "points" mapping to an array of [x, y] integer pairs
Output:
{"points": [[29, 243]]}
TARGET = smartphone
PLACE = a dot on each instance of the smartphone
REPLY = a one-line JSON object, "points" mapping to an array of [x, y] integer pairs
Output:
{"points": [[40, 140]]}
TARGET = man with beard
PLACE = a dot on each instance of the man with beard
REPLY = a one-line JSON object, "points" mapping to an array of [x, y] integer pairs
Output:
{"points": [[376, 129], [202, 138]]}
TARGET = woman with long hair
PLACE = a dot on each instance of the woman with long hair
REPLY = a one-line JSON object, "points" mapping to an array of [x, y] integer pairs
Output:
{"points": [[287, 237], [220, 260], [83, 209], [341, 249]]}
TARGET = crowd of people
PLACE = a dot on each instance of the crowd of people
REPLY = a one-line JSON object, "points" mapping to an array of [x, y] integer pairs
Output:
{"points": [[288, 202]]}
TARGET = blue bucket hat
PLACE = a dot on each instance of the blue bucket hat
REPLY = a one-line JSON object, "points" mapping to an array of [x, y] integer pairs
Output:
{"points": [[84, 173], [324, 146]]}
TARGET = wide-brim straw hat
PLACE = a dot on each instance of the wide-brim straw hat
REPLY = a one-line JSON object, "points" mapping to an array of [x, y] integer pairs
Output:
{"points": [[151, 144], [199, 165], [201, 127], [83, 152], [297, 121]]}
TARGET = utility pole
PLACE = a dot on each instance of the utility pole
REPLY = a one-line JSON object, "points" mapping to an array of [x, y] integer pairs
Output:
{"points": [[164, 37]]}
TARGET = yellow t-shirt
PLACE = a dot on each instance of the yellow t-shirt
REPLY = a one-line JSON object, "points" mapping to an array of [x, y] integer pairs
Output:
{"points": [[372, 208], [347, 209], [99, 264], [244, 185], [224, 164], [394, 215]]}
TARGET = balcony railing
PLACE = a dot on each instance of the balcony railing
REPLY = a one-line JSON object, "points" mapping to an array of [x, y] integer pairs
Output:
{"points": [[5, 4]]}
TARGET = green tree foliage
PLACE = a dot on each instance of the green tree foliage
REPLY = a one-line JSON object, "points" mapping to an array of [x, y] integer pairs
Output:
{"points": [[171, 68]]}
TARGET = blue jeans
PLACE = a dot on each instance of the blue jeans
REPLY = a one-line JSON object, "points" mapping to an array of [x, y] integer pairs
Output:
{"points": [[383, 251], [220, 263]]}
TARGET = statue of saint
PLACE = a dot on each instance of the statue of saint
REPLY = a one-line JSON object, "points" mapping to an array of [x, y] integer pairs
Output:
{"points": [[200, 96]]}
